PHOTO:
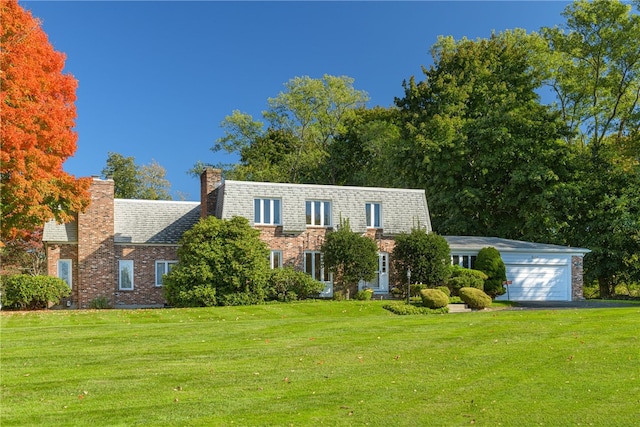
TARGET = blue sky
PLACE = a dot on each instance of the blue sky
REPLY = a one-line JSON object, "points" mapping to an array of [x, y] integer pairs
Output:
{"points": [[156, 78]]}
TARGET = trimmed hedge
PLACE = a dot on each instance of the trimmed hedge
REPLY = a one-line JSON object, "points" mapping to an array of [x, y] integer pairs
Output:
{"points": [[434, 298], [465, 278], [406, 309], [475, 298], [287, 284], [24, 292]]}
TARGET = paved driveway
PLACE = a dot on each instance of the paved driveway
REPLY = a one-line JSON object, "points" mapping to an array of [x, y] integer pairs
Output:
{"points": [[546, 305]]}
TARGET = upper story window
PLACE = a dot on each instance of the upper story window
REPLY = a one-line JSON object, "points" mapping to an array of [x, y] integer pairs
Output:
{"points": [[314, 267], [318, 213], [267, 212], [466, 261], [374, 215]]}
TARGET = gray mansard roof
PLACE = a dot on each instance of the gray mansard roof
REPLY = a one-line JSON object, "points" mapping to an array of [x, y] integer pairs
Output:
{"points": [[402, 209], [137, 221]]}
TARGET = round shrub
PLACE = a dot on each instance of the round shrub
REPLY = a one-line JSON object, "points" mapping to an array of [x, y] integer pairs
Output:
{"points": [[434, 298], [25, 292], [475, 298], [465, 278], [445, 290]]}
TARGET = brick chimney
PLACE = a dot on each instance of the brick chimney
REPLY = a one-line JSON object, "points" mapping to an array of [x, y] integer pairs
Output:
{"points": [[210, 180], [96, 252]]}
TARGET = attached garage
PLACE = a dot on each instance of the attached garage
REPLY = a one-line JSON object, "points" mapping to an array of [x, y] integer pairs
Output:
{"points": [[537, 271]]}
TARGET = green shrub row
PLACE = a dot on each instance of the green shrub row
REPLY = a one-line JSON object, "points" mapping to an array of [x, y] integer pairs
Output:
{"points": [[405, 309], [26, 292], [434, 298]]}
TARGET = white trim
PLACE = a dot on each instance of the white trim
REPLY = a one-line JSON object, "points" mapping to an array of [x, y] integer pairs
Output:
{"points": [[372, 214], [272, 257], [324, 222], [272, 210]]}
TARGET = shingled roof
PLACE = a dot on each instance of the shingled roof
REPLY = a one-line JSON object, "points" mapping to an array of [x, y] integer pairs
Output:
{"points": [[475, 243], [138, 222]]}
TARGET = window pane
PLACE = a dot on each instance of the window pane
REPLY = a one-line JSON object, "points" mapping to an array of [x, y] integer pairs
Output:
{"points": [[266, 211], [317, 212], [126, 274], [276, 259], [473, 261], [317, 270], [465, 261], [308, 263], [368, 213], [327, 213], [455, 260], [376, 207], [308, 212], [64, 271], [276, 212], [160, 270]]}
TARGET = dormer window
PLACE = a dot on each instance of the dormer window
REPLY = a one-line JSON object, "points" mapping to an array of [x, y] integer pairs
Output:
{"points": [[318, 213], [266, 212], [373, 215]]}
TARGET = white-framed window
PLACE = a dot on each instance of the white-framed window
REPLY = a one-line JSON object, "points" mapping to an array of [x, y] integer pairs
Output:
{"points": [[275, 259], [314, 266], [318, 213], [466, 261], [162, 268], [125, 276], [267, 211], [373, 214], [65, 272]]}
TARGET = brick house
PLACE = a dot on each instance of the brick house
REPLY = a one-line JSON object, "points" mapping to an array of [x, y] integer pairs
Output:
{"points": [[120, 249]]}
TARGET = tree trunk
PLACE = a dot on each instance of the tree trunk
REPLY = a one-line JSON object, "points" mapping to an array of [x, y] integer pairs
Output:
{"points": [[606, 288]]}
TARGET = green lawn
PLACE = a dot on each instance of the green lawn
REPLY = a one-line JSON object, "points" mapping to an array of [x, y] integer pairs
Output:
{"points": [[321, 363]]}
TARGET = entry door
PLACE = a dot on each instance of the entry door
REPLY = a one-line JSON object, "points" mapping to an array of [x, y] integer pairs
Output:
{"points": [[380, 282], [383, 272]]}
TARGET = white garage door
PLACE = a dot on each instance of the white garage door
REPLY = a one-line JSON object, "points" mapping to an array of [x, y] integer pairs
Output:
{"points": [[538, 283]]}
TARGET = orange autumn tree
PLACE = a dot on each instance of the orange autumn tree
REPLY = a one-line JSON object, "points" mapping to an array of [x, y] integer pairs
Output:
{"points": [[38, 116]]}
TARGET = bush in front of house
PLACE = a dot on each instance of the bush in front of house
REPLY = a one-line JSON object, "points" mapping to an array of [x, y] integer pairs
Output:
{"points": [[465, 278], [445, 290], [490, 263], [475, 298], [434, 298], [25, 292], [427, 255], [220, 262], [287, 284], [364, 294], [409, 309]]}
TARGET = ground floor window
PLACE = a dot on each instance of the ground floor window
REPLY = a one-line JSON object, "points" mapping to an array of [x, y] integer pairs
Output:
{"points": [[64, 271], [275, 259], [125, 269], [314, 267], [162, 268], [466, 261]]}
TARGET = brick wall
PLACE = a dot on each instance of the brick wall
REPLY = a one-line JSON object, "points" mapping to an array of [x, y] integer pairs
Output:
{"points": [[294, 245], [145, 291], [96, 246], [210, 180], [577, 278]]}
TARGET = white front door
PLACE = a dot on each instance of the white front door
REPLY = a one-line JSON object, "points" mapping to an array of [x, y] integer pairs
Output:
{"points": [[380, 282]]}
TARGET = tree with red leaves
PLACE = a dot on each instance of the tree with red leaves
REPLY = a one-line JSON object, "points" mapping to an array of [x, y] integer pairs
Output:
{"points": [[38, 116]]}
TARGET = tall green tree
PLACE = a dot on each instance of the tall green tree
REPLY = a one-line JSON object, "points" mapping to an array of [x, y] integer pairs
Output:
{"points": [[136, 182], [594, 71], [350, 256], [490, 156], [302, 121], [427, 255]]}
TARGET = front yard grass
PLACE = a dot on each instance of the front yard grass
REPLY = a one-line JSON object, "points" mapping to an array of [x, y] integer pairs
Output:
{"points": [[320, 363]]}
